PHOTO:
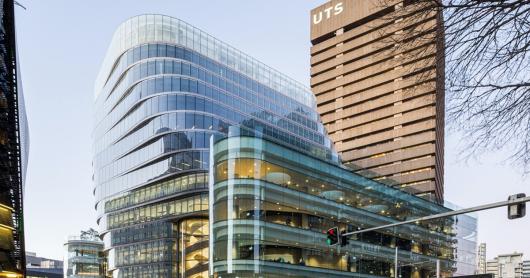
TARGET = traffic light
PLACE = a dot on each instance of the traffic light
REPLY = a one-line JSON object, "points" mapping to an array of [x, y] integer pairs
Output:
{"points": [[333, 236], [518, 210]]}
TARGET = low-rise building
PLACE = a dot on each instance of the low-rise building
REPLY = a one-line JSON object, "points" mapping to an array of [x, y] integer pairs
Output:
{"points": [[84, 258], [40, 267], [506, 266], [526, 269]]}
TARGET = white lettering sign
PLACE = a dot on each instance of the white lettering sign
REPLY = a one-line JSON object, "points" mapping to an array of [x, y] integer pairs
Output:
{"points": [[327, 13]]}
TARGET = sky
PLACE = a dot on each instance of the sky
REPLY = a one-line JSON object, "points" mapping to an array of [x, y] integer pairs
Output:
{"points": [[61, 47]]}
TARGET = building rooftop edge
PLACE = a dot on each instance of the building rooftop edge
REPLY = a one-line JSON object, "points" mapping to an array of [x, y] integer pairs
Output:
{"points": [[111, 56]]}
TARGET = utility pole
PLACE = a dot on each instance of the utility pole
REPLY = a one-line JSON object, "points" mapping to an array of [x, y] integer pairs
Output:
{"points": [[396, 264], [437, 268]]}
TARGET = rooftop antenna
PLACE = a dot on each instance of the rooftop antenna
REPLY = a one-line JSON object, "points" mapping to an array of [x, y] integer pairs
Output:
{"points": [[20, 5]]}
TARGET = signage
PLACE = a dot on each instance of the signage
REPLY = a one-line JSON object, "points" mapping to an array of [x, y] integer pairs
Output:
{"points": [[328, 13]]}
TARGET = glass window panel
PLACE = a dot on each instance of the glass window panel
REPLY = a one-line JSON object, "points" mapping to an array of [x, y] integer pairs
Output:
{"points": [[190, 103], [171, 51], [167, 83], [186, 69], [199, 121], [181, 121], [190, 120], [172, 102], [175, 84], [154, 105], [194, 72], [185, 85], [193, 86], [162, 50], [159, 85], [143, 52], [177, 69], [199, 104], [181, 102]]}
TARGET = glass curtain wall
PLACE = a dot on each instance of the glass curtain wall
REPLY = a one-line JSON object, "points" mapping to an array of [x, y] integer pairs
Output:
{"points": [[165, 88], [271, 206], [14, 147], [84, 258]]}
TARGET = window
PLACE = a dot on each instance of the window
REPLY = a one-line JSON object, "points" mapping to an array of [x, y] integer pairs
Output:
{"points": [[143, 52], [185, 85], [171, 103], [190, 102], [190, 121], [181, 103], [186, 69]]}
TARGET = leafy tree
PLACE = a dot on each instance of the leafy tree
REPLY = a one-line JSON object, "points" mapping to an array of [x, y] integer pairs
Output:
{"points": [[89, 234]]}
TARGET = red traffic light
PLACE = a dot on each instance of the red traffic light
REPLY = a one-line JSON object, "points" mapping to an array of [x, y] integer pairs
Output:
{"points": [[332, 236]]}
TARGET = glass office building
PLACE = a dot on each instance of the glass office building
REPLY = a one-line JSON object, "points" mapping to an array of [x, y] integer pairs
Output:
{"points": [[84, 258], [165, 88], [466, 248], [272, 204], [14, 147]]}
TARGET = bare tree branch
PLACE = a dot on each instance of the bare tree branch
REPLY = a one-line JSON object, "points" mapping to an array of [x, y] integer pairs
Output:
{"points": [[487, 76]]}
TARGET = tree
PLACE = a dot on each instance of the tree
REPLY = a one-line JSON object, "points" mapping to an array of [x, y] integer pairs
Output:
{"points": [[487, 76], [89, 234]]}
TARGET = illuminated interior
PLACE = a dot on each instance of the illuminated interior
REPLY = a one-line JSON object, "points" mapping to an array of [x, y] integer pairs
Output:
{"points": [[193, 248], [272, 206]]}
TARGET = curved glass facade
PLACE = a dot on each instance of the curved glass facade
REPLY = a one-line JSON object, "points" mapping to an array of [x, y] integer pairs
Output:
{"points": [[84, 258], [164, 90], [466, 227], [271, 206]]}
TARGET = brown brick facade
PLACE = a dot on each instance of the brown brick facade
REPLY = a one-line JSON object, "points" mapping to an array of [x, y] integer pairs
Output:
{"points": [[382, 102]]}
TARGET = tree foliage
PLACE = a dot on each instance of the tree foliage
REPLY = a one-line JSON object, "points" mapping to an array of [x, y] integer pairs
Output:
{"points": [[89, 234]]}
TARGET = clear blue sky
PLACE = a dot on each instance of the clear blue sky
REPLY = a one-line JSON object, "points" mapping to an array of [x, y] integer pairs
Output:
{"points": [[62, 44]]}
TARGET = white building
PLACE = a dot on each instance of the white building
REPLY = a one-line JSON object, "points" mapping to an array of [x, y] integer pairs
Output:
{"points": [[526, 269], [481, 259], [506, 266]]}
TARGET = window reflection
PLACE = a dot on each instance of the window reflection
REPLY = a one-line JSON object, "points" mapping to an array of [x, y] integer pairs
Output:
{"points": [[278, 211], [158, 106], [157, 211], [157, 190], [245, 168], [184, 161]]}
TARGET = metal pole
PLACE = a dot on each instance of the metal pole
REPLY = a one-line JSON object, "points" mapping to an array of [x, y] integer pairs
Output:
{"points": [[396, 264], [437, 268], [445, 214]]}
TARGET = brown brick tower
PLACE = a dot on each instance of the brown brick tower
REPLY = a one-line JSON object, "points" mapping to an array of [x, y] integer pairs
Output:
{"points": [[381, 98]]}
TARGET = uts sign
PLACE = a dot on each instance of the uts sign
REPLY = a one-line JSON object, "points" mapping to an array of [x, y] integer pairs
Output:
{"points": [[327, 13]]}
